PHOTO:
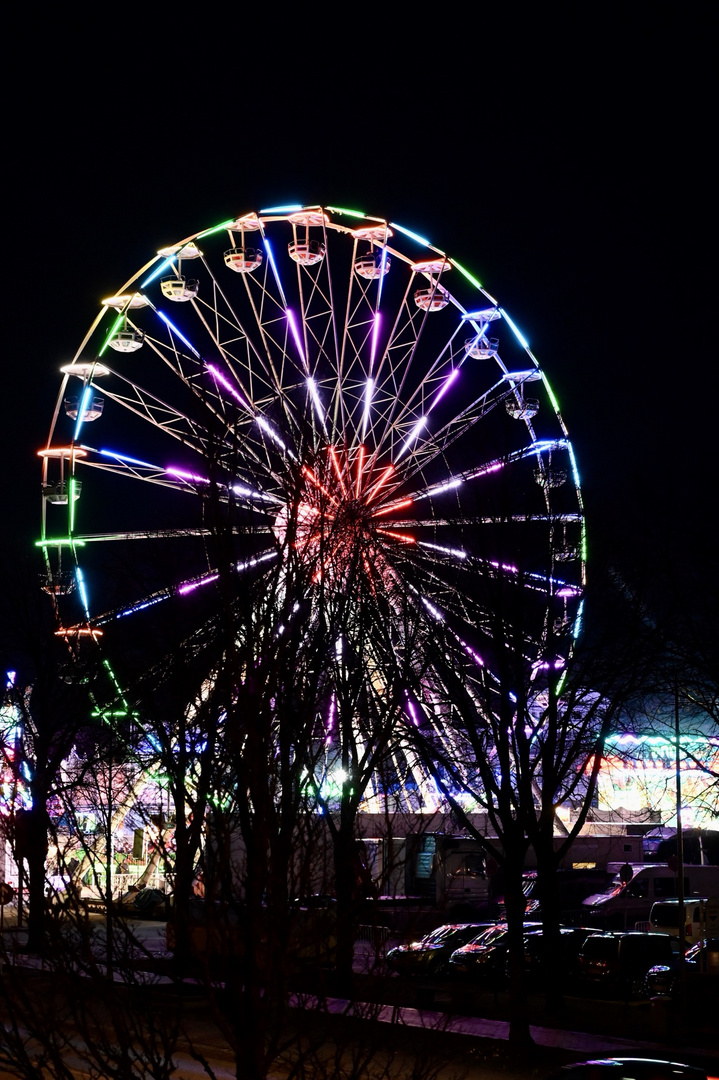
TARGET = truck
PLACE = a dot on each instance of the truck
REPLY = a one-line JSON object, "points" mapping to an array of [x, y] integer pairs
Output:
{"points": [[634, 890]]}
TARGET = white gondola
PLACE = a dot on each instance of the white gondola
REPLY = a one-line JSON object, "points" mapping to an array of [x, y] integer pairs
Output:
{"points": [[92, 411], [306, 252], [127, 339], [370, 265], [566, 553], [430, 299], [243, 260], [179, 289], [481, 348], [550, 477], [59, 584], [59, 494], [522, 408]]}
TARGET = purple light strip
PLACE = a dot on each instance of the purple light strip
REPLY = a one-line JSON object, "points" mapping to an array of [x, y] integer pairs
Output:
{"points": [[190, 586], [383, 263], [224, 382], [181, 474], [296, 336], [254, 562], [375, 332], [330, 721], [444, 387], [470, 652], [565, 590]]}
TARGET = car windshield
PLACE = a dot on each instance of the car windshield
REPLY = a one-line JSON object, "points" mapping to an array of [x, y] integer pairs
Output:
{"points": [[600, 948]]}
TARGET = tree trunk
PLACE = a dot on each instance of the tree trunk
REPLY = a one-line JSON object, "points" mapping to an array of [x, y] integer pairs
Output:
{"points": [[519, 1034], [36, 858]]}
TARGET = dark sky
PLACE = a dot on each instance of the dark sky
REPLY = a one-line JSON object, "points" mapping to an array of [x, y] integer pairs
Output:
{"points": [[563, 156]]}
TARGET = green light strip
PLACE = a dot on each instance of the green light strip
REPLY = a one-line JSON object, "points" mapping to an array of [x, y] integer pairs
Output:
{"points": [[343, 210], [111, 335], [470, 277], [72, 486], [65, 541], [113, 678], [216, 228], [550, 392]]}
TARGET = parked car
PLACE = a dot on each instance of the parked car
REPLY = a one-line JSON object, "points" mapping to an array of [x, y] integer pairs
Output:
{"points": [[485, 957], [701, 963], [571, 941], [635, 888], [629, 1069], [430, 955], [666, 917], [617, 963]]}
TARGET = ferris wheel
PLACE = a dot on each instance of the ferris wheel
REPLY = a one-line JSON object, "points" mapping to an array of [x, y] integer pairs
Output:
{"points": [[334, 375]]}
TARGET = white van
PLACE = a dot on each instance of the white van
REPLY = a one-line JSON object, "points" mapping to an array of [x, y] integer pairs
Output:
{"points": [[699, 922], [635, 889]]}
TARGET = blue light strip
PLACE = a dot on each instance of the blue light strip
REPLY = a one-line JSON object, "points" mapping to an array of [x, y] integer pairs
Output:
{"points": [[126, 460], [164, 265], [517, 333], [84, 402], [174, 329], [273, 264], [575, 470], [292, 208], [578, 620], [143, 604], [410, 234], [83, 592]]}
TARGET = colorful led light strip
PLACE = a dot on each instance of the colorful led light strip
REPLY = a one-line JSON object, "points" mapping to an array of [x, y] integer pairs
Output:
{"points": [[223, 381], [470, 277], [444, 387], [84, 403], [164, 265], [296, 336], [410, 234], [183, 590], [113, 331], [82, 590], [369, 386], [291, 208], [182, 474], [515, 330], [412, 437], [177, 332], [344, 210], [375, 335], [215, 229], [125, 459], [271, 257]]}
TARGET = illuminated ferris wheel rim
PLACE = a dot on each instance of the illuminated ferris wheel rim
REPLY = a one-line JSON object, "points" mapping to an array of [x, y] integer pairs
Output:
{"points": [[351, 399]]}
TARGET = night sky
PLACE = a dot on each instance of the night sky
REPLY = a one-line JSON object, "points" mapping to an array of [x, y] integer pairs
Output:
{"points": [[563, 157]]}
